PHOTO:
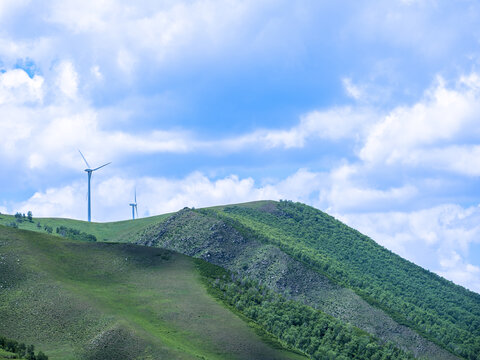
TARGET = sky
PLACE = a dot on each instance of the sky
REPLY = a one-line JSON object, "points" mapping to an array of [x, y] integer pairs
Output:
{"points": [[368, 110]]}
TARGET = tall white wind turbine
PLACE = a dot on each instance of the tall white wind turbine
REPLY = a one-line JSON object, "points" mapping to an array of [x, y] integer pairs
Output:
{"points": [[134, 206], [89, 172]]}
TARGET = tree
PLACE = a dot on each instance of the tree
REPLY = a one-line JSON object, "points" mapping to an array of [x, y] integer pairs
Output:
{"points": [[30, 352], [30, 216], [21, 350], [41, 356]]}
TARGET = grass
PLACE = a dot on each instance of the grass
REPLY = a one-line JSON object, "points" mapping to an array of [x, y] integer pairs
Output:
{"points": [[118, 231], [107, 301]]}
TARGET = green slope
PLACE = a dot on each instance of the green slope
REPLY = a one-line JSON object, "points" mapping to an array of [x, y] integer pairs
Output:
{"points": [[115, 301], [119, 231], [438, 309]]}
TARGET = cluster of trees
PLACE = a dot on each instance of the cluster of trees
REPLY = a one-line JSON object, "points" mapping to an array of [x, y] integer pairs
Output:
{"points": [[75, 234], [21, 350], [296, 325], [64, 231], [19, 217], [438, 309]]}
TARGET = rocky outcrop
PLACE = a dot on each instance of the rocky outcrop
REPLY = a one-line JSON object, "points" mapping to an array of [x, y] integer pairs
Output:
{"points": [[209, 238]]}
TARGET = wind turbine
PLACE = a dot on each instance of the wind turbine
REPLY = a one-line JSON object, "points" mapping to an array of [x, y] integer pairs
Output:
{"points": [[89, 172], [134, 206]]}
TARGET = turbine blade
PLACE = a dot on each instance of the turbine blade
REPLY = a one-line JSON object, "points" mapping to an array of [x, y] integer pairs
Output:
{"points": [[136, 210], [101, 166], [135, 195], [84, 158]]}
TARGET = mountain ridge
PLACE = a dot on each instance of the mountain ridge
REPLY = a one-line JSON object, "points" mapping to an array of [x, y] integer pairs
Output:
{"points": [[220, 244]]}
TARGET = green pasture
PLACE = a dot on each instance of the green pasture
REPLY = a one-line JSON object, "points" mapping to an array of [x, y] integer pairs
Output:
{"points": [[78, 300]]}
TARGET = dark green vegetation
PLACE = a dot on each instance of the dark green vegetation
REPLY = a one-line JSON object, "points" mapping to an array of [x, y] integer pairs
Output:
{"points": [[438, 309], [295, 273], [87, 300], [75, 234], [297, 325], [12, 349]]}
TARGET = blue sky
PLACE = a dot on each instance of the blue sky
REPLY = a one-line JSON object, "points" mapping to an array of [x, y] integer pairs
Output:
{"points": [[367, 110]]}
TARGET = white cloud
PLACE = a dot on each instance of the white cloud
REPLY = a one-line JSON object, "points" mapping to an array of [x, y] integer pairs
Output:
{"points": [[408, 134], [57, 140], [17, 87], [83, 16], [461, 272], [160, 31], [437, 238], [126, 61], [62, 202], [95, 71], [67, 79], [9, 6], [351, 89], [49, 120], [344, 192], [333, 124], [459, 159]]}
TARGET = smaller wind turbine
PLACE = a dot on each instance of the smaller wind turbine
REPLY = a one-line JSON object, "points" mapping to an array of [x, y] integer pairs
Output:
{"points": [[134, 206], [89, 171]]}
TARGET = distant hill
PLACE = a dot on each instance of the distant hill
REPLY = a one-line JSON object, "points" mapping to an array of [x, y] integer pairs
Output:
{"points": [[290, 267]]}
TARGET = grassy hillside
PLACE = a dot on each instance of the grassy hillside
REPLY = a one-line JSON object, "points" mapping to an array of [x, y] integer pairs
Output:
{"points": [[119, 231], [116, 301]]}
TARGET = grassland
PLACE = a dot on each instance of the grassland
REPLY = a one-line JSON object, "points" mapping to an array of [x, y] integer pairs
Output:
{"points": [[119, 231], [77, 300]]}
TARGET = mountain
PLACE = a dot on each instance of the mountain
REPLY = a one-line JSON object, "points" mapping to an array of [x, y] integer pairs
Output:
{"points": [[286, 268]]}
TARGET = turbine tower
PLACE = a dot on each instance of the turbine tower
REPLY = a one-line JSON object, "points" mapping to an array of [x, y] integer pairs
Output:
{"points": [[89, 172], [134, 206]]}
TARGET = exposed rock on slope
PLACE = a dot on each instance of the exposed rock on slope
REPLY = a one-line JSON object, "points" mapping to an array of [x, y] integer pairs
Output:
{"points": [[199, 235]]}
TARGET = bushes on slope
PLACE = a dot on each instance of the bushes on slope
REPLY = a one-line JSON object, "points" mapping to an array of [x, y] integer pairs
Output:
{"points": [[21, 350], [298, 326]]}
